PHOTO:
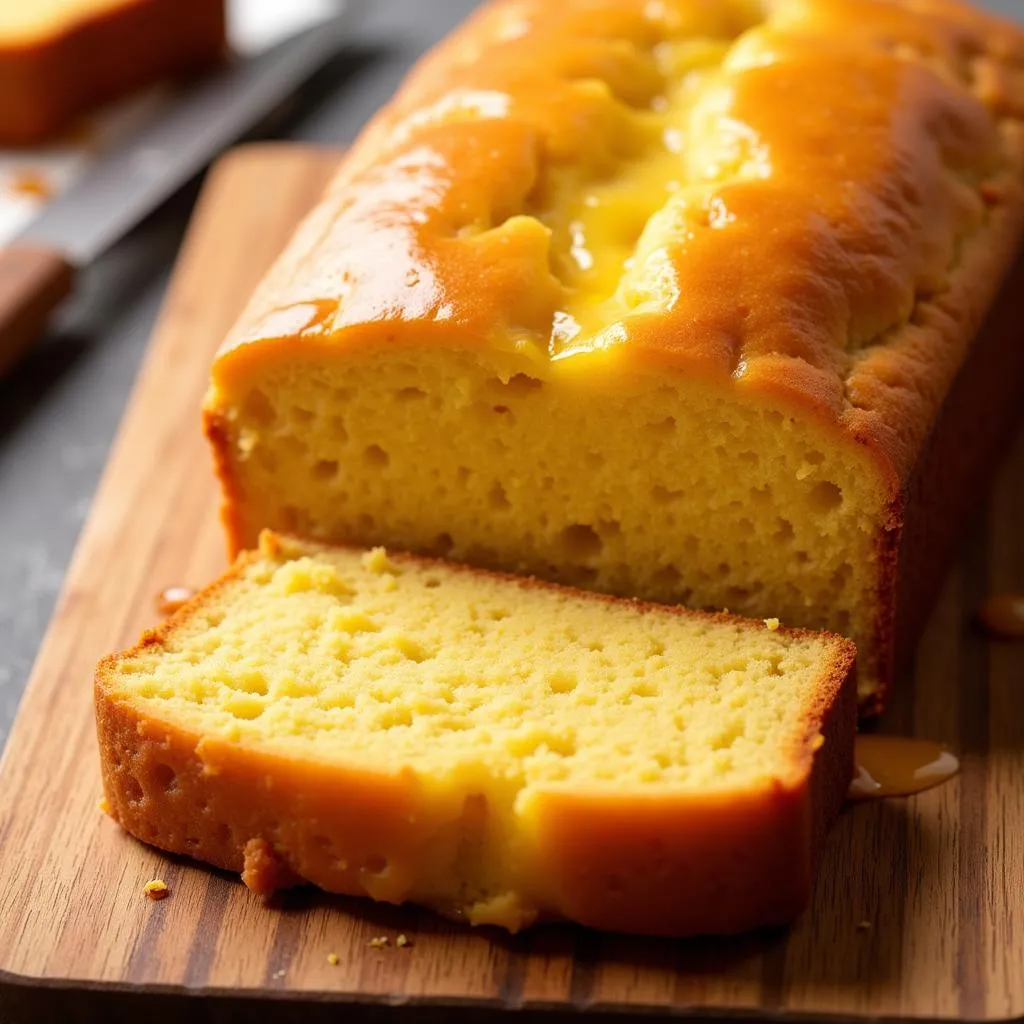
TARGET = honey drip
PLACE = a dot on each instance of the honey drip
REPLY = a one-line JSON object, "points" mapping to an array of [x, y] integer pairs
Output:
{"points": [[1003, 615], [31, 184], [170, 600], [899, 766]]}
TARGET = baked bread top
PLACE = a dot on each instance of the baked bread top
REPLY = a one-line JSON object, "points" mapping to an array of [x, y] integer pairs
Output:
{"points": [[816, 198]]}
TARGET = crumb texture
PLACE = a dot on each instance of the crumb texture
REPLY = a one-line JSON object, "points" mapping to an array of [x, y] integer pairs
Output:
{"points": [[688, 499], [477, 697], [371, 662]]}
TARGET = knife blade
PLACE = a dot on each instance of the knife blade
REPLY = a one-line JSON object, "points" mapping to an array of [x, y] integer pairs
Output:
{"points": [[129, 182]]}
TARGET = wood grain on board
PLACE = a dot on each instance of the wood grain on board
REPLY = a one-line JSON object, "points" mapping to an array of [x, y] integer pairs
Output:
{"points": [[919, 909]]}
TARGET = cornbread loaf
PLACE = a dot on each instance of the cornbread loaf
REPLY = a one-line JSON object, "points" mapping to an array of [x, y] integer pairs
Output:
{"points": [[61, 58], [678, 300], [498, 749]]}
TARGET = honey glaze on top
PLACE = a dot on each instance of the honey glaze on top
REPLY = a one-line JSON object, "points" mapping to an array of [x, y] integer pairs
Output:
{"points": [[899, 766], [300, 319], [766, 191], [1003, 615]]}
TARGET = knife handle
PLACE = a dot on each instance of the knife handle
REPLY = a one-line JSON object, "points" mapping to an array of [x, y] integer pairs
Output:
{"points": [[33, 282]]}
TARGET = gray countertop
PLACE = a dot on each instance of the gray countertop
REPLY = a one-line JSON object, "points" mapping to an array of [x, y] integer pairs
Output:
{"points": [[59, 412]]}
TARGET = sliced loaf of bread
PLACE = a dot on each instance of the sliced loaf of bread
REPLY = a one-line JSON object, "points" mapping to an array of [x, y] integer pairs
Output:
{"points": [[498, 749]]}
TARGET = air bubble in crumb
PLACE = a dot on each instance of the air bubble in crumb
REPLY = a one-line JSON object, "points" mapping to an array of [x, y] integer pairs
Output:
{"points": [[378, 942], [772, 624], [156, 889], [333, 959]]}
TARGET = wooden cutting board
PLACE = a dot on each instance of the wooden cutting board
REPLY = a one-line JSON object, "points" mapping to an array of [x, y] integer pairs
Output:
{"points": [[919, 910]]}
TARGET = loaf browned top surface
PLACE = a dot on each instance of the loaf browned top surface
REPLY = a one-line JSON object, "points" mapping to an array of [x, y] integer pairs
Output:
{"points": [[817, 198]]}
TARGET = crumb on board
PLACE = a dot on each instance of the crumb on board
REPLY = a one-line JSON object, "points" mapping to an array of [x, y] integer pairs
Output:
{"points": [[402, 941], [279, 974], [772, 624], [378, 942], [103, 805], [156, 889], [333, 959], [863, 926]]}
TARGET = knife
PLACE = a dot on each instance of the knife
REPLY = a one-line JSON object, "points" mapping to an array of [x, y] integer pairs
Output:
{"points": [[38, 269]]}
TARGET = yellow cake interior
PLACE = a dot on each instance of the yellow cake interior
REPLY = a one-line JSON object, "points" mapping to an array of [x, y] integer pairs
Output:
{"points": [[355, 658], [664, 488], [482, 691]]}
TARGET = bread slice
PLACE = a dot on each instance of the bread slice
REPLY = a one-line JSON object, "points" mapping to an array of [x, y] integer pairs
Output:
{"points": [[672, 300], [61, 58], [498, 749]]}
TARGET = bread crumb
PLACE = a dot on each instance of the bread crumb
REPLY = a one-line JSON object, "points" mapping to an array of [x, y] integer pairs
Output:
{"points": [[103, 805], [402, 941], [379, 942], [863, 926], [156, 889], [269, 544], [333, 959], [376, 560], [772, 624], [818, 742], [279, 974]]}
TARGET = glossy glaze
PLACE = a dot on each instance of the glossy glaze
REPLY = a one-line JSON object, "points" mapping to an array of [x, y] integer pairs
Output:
{"points": [[899, 766], [777, 197], [170, 599], [1003, 615], [30, 184]]}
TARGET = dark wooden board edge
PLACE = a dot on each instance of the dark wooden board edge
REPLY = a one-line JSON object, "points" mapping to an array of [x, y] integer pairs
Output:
{"points": [[43, 1000]]}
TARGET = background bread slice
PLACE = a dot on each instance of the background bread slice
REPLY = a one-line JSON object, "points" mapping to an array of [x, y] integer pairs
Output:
{"points": [[61, 58], [495, 748]]}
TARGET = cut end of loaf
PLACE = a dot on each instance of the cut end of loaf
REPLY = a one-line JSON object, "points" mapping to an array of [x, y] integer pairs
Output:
{"points": [[498, 749], [660, 486]]}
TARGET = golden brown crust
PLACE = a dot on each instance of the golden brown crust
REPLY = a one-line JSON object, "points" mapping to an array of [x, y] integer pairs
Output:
{"points": [[957, 462], [732, 861], [893, 183], [232, 497], [47, 80]]}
